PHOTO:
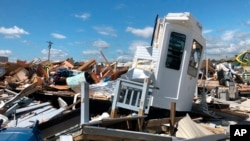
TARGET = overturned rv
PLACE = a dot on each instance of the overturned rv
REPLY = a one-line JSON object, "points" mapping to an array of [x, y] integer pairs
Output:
{"points": [[171, 65]]}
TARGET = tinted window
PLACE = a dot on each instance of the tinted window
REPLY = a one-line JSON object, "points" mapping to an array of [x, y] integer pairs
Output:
{"points": [[175, 50]]}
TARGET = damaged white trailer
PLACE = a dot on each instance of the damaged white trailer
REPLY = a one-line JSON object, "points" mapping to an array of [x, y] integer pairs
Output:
{"points": [[171, 65]]}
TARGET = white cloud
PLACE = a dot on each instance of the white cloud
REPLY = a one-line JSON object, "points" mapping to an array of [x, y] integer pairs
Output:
{"points": [[145, 33], [96, 54], [134, 45], [55, 54], [228, 35], [83, 16], [124, 56], [105, 30], [247, 22], [124, 59], [227, 44], [13, 32], [100, 44], [120, 52], [90, 52], [245, 43], [120, 6], [24, 41], [58, 36], [5, 52], [207, 31]]}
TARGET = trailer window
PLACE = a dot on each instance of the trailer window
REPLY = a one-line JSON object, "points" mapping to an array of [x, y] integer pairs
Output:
{"points": [[195, 57], [175, 50]]}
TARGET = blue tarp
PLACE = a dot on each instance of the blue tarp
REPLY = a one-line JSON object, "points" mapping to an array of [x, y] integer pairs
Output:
{"points": [[20, 134]]}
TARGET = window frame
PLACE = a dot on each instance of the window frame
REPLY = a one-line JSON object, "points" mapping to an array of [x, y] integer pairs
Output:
{"points": [[175, 50]]}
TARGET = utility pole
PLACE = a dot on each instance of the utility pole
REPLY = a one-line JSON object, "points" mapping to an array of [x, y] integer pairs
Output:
{"points": [[49, 46]]}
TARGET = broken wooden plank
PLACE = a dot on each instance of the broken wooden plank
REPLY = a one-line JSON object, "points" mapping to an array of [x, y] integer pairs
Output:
{"points": [[232, 113], [86, 65], [209, 84], [61, 87], [155, 123], [172, 118], [110, 121], [68, 64], [215, 130]]}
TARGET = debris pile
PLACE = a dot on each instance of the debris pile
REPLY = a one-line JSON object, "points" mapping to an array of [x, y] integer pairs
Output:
{"points": [[56, 75], [224, 79], [21, 79]]}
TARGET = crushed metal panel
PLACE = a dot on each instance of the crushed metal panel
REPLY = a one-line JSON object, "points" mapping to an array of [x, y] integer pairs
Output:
{"points": [[188, 129]]}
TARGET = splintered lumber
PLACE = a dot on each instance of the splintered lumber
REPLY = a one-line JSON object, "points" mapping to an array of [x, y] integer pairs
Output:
{"points": [[243, 89], [232, 113], [24, 63], [118, 73], [106, 72], [112, 121], [172, 117], [42, 72], [106, 60], [216, 130], [209, 84], [61, 87], [10, 67], [208, 65], [155, 123], [86, 65], [68, 64], [21, 74]]}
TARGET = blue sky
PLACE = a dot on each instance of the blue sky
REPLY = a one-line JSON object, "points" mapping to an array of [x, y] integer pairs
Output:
{"points": [[79, 29]]}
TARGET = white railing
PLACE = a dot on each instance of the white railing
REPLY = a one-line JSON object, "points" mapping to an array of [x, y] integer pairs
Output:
{"points": [[132, 95]]}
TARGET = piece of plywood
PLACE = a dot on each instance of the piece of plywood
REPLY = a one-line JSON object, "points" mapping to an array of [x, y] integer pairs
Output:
{"points": [[209, 84], [61, 87], [87, 65]]}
